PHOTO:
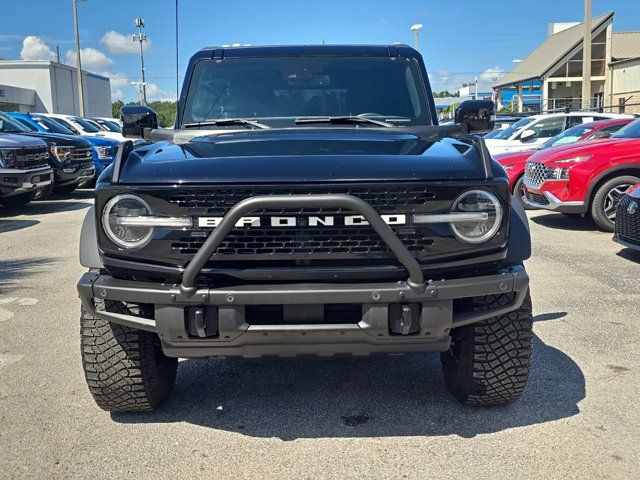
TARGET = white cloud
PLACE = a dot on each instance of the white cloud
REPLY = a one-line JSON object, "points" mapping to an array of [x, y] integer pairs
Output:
{"points": [[34, 48], [117, 42], [156, 93], [491, 75], [119, 82], [90, 57]]}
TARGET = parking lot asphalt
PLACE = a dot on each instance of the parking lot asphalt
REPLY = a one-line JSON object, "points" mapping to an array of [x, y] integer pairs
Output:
{"points": [[386, 417]]}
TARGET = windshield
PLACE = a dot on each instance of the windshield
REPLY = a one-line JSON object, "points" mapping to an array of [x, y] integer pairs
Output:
{"points": [[26, 124], [86, 126], [494, 133], [630, 131], [285, 88], [110, 126], [9, 125], [511, 129], [51, 125], [568, 136]]}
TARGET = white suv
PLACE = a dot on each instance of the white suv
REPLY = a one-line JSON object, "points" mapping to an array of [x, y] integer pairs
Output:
{"points": [[82, 127], [530, 132]]}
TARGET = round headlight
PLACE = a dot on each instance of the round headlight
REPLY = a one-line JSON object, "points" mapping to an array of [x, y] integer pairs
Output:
{"points": [[114, 216], [477, 231]]}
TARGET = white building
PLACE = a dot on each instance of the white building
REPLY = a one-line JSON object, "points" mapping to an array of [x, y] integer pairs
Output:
{"points": [[50, 87]]}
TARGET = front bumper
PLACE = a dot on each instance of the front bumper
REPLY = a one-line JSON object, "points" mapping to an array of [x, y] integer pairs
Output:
{"points": [[69, 175], [236, 334], [539, 197], [15, 182]]}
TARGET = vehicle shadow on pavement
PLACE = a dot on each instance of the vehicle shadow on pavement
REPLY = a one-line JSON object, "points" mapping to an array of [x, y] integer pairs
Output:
{"points": [[628, 254], [13, 225], [564, 222], [13, 271], [356, 397], [43, 207]]}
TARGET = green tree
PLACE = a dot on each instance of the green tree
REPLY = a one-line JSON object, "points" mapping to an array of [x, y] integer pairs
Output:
{"points": [[115, 108]]}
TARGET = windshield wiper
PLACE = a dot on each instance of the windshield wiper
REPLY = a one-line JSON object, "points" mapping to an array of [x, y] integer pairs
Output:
{"points": [[343, 120], [226, 121]]}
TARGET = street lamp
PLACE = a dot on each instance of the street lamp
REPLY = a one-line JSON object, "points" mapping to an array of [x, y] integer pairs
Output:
{"points": [[415, 29], [141, 37], [78, 62]]}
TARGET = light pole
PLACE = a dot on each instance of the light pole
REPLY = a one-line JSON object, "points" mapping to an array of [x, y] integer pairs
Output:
{"points": [[586, 57], [141, 37], [415, 29], [78, 62]]}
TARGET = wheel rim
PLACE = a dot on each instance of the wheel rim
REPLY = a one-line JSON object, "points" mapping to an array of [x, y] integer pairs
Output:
{"points": [[521, 193], [613, 198]]}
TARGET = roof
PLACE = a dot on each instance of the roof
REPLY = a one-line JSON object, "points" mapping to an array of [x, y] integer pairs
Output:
{"points": [[311, 50], [15, 64], [625, 45], [550, 52]]}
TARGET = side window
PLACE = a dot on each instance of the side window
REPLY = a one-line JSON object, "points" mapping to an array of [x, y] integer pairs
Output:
{"points": [[573, 120], [548, 127], [606, 132]]}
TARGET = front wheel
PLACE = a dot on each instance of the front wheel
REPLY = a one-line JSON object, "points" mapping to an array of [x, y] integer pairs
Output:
{"points": [[606, 199], [66, 188], [488, 362], [125, 368]]}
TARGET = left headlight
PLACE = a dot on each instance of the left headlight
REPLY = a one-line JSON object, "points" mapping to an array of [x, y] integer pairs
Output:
{"points": [[8, 157], [117, 218], [485, 222], [62, 154]]}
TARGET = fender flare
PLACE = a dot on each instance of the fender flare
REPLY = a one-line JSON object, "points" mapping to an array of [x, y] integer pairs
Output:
{"points": [[606, 173], [89, 255], [519, 243]]}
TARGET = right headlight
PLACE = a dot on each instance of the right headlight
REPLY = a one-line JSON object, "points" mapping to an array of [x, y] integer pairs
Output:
{"points": [[104, 153], [118, 216], [476, 228], [8, 157]]}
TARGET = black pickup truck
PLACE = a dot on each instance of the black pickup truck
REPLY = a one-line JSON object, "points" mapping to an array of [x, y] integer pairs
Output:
{"points": [[70, 157], [24, 168], [306, 203]]}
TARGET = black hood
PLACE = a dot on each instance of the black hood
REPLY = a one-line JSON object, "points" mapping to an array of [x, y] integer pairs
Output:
{"points": [[304, 155], [59, 139]]}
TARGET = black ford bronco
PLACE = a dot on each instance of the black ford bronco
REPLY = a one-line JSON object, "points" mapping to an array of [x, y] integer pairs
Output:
{"points": [[306, 203]]}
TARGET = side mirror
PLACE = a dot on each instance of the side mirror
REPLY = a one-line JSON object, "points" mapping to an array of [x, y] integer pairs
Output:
{"points": [[137, 118], [475, 116], [527, 135]]}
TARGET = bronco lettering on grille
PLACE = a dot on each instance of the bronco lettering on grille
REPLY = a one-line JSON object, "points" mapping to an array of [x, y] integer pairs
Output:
{"points": [[312, 221]]}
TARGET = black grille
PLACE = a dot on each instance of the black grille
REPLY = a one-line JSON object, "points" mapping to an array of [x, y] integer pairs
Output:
{"points": [[300, 242], [628, 224], [389, 199], [536, 198], [325, 243], [79, 155], [32, 157]]}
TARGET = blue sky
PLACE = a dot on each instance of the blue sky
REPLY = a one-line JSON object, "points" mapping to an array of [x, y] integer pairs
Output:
{"points": [[460, 39]]}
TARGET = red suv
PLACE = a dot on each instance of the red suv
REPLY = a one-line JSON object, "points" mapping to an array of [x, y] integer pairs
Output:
{"points": [[513, 163], [586, 178]]}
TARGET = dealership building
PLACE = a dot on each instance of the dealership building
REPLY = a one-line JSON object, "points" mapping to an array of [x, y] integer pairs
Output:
{"points": [[554, 69], [51, 87]]}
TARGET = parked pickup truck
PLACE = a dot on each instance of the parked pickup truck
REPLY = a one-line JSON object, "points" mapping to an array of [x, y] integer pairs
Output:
{"points": [[24, 168], [306, 203], [70, 157]]}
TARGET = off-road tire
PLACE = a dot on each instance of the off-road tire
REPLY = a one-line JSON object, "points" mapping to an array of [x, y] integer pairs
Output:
{"points": [[598, 202], [44, 192], [18, 200], [125, 368], [518, 190], [489, 361]]}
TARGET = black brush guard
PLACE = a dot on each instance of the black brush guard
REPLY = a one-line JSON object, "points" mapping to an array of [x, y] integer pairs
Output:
{"points": [[407, 316]]}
